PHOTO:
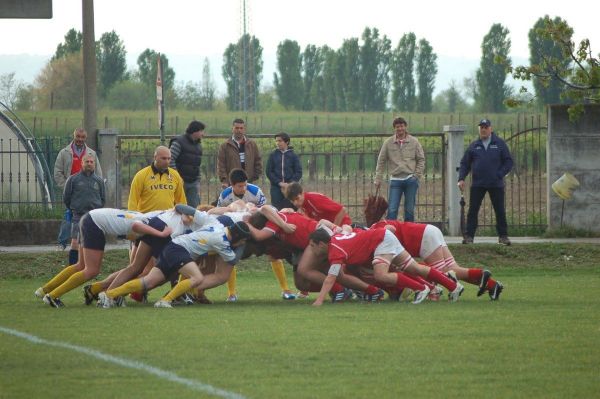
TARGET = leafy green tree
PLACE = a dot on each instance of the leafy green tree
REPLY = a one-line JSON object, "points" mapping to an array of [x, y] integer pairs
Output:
{"points": [[329, 78], [112, 64], [547, 91], [25, 98], [375, 54], [242, 72], [72, 44], [207, 92], [288, 84], [580, 76], [349, 64], [426, 74], [491, 75], [147, 67], [450, 100], [190, 95], [403, 81], [312, 63], [130, 95], [9, 89], [60, 83]]}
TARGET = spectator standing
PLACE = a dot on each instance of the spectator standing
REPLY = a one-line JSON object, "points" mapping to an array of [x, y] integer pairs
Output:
{"points": [[283, 168], [186, 158], [239, 152], [68, 162], [406, 165], [489, 160], [83, 192]]}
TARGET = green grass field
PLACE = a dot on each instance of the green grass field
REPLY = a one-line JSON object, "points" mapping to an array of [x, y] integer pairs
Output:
{"points": [[539, 340]]}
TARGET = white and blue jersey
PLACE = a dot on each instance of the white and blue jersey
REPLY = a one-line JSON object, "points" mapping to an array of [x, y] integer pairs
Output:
{"points": [[253, 194], [116, 222], [174, 220], [211, 239]]}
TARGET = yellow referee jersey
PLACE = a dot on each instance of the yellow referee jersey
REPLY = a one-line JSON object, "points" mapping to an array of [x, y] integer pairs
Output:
{"points": [[154, 191]]}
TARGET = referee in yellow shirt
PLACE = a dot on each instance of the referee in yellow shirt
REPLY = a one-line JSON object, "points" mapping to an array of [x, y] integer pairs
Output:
{"points": [[156, 187]]}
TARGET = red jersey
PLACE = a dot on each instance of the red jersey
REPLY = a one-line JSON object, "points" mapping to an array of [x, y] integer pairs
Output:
{"points": [[318, 206], [409, 234], [356, 248], [304, 226]]}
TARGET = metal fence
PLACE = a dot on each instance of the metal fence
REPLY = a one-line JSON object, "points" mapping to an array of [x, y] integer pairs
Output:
{"points": [[341, 166]]}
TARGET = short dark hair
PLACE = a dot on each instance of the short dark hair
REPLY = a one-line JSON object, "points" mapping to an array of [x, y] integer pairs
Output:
{"points": [[237, 176], [399, 121], [284, 136], [319, 235], [239, 231], [293, 190], [258, 220], [238, 120], [195, 126]]}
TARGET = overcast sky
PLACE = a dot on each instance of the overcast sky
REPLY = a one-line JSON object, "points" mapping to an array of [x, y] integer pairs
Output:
{"points": [[204, 28]]}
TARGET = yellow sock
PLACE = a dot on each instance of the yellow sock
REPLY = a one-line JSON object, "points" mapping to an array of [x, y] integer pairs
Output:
{"points": [[181, 288], [60, 278], [128, 287], [72, 282], [279, 271], [96, 288], [231, 283]]}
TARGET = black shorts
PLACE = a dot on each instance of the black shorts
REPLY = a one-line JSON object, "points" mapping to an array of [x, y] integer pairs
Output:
{"points": [[156, 243], [172, 258], [91, 236]]}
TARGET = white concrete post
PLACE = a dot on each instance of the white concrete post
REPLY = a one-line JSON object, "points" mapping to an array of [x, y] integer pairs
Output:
{"points": [[107, 152], [456, 148]]}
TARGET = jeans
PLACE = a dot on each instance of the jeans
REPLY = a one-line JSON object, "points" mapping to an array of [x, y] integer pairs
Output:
{"points": [[475, 199], [191, 193], [64, 233], [407, 187]]}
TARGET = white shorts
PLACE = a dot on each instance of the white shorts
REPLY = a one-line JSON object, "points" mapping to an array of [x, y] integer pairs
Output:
{"points": [[432, 240], [389, 246]]}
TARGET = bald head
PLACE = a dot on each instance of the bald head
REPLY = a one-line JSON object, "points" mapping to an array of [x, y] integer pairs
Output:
{"points": [[162, 157]]}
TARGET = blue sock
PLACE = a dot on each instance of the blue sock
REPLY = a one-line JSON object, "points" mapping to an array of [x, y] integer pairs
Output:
{"points": [[73, 256]]}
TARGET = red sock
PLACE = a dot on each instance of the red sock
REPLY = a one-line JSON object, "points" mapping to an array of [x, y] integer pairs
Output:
{"points": [[405, 281], [440, 278], [423, 281], [337, 287], [474, 276], [371, 289]]}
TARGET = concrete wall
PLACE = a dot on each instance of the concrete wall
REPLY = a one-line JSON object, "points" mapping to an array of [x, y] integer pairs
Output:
{"points": [[574, 147], [28, 232]]}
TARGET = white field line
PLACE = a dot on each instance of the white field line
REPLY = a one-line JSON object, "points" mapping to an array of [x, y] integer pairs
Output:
{"points": [[132, 364]]}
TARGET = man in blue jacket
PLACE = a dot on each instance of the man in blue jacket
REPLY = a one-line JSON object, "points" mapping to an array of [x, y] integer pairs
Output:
{"points": [[489, 159], [283, 168]]}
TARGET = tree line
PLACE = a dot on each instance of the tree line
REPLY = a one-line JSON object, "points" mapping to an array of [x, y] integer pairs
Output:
{"points": [[369, 73]]}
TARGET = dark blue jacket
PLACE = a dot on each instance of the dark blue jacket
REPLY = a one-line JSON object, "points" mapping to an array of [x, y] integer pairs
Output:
{"points": [[488, 166], [284, 167]]}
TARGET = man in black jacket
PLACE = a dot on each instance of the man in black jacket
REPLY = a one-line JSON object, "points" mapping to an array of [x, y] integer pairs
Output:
{"points": [[186, 158], [489, 160], [83, 192]]}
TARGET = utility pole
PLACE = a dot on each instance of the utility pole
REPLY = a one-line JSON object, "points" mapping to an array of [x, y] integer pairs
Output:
{"points": [[90, 123]]}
